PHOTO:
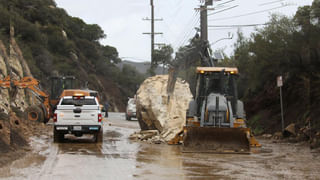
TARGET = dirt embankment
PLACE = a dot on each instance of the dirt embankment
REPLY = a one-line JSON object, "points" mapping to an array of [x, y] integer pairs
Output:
{"points": [[264, 115], [15, 132]]}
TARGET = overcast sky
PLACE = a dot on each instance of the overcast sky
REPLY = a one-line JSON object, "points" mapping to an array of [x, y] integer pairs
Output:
{"points": [[122, 21]]}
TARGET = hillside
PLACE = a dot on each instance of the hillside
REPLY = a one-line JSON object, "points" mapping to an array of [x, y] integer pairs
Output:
{"points": [[54, 43], [286, 46]]}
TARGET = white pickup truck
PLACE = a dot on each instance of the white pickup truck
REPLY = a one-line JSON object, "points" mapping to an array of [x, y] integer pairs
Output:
{"points": [[78, 115]]}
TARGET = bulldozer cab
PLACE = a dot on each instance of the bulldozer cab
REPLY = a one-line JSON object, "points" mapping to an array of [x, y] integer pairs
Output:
{"points": [[58, 84], [216, 106], [216, 80]]}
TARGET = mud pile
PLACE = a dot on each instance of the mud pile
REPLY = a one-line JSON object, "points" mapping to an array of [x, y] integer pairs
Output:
{"points": [[293, 133], [155, 111], [15, 132]]}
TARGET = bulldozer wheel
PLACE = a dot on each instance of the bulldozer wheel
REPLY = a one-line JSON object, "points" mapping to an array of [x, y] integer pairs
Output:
{"points": [[46, 120], [45, 114], [34, 113]]}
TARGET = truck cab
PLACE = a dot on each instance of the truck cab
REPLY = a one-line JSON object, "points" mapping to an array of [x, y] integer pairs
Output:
{"points": [[78, 115]]}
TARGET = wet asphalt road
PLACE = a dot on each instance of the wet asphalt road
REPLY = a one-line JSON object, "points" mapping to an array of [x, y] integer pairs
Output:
{"points": [[117, 158]]}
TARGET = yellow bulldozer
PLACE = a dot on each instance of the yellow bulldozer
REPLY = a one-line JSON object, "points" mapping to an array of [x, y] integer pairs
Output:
{"points": [[216, 119]]}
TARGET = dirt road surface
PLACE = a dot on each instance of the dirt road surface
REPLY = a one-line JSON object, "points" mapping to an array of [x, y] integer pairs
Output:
{"points": [[117, 158]]}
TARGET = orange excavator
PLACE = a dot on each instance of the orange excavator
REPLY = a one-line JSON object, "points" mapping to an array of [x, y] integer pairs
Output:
{"points": [[5, 83], [42, 112]]}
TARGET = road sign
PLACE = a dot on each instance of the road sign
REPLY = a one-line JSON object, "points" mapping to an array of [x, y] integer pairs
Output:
{"points": [[280, 84], [279, 81]]}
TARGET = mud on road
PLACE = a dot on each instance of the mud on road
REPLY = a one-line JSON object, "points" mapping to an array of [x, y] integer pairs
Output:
{"points": [[119, 158]]}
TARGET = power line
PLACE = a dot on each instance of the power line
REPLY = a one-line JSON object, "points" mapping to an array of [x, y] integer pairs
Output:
{"points": [[239, 25], [186, 33], [222, 29], [170, 31], [225, 2], [179, 7], [223, 10], [191, 21], [272, 2], [189, 34], [191, 31], [248, 14], [229, 28]]}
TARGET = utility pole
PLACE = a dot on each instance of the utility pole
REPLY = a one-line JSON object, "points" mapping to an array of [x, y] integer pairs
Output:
{"points": [[206, 57], [204, 18], [204, 22], [152, 35], [152, 31]]}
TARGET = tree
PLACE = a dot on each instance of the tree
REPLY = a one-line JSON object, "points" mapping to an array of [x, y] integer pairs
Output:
{"points": [[163, 55], [110, 54], [287, 47]]}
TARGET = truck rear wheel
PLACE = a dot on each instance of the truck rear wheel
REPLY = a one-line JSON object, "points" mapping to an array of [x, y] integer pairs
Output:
{"points": [[99, 136], [57, 136], [34, 113]]}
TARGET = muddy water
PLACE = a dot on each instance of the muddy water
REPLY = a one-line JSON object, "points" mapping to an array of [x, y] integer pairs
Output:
{"points": [[118, 158]]}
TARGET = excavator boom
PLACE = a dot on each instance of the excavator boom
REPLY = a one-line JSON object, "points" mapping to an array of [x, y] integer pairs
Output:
{"points": [[32, 84], [5, 83]]}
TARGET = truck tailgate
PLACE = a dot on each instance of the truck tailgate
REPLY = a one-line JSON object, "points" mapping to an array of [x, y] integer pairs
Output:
{"points": [[84, 114]]}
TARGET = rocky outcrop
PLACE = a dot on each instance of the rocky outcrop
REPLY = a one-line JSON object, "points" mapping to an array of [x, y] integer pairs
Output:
{"points": [[14, 129], [17, 60], [155, 111], [19, 69], [4, 93]]}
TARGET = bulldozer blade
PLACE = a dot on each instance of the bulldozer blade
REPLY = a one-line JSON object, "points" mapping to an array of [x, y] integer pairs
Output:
{"points": [[216, 140]]}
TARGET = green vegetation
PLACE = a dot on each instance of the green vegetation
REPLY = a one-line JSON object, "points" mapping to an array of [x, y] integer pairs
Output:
{"points": [[287, 47], [54, 42], [163, 55]]}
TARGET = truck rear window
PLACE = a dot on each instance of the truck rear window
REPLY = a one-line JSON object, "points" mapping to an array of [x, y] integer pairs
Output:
{"points": [[78, 102]]}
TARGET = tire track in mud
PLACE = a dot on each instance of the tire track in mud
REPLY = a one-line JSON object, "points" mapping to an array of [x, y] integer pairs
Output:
{"points": [[107, 150], [48, 165]]}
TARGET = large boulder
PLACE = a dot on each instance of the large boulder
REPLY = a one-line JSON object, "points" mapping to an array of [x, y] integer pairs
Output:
{"points": [[156, 111]]}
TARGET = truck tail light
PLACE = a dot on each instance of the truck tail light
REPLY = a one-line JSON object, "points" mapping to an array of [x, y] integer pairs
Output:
{"points": [[99, 117], [55, 117]]}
